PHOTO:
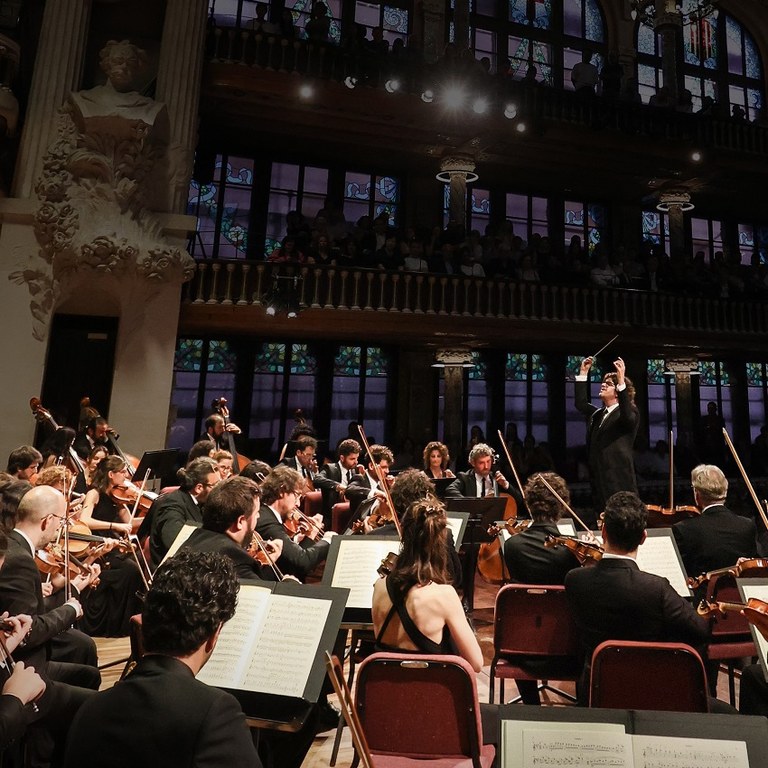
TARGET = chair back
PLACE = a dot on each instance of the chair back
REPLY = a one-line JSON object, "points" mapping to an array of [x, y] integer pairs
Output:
{"points": [[312, 503], [638, 675], [336, 675], [419, 706], [534, 620], [340, 516]]}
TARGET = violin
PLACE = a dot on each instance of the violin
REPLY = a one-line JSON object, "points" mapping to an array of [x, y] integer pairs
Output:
{"points": [[754, 611], [586, 552], [310, 528], [513, 526], [81, 540], [257, 549], [127, 495], [381, 514], [52, 560], [756, 566]]}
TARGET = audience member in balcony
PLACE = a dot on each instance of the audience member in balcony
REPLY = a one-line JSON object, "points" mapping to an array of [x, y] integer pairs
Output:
{"points": [[630, 92], [444, 260], [321, 253], [685, 102], [287, 28], [297, 227], [584, 75], [287, 253], [468, 265], [575, 250], [712, 441], [610, 76], [662, 99], [259, 23], [602, 273], [760, 453], [319, 23], [738, 113], [530, 76], [655, 274], [389, 257], [415, 261], [526, 271], [347, 255]]}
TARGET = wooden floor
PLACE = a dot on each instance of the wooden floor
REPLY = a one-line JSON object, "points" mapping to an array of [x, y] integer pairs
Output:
{"points": [[116, 650]]}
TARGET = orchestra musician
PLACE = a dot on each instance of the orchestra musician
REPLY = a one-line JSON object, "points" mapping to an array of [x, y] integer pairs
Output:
{"points": [[109, 606], [224, 462], [160, 714], [303, 460], [436, 460], [23, 462], [281, 492], [614, 599], [333, 478], [95, 433], [230, 515], [171, 511], [717, 537], [366, 486], [611, 432], [84, 480], [478, 482], [215, 427]]}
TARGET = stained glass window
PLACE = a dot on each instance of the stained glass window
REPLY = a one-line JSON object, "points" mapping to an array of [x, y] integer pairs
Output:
{"points": [[376, 362], [756, 375], [523, 52], [587, 220], [392, 20], [655, 227], [347, 362], [480, 209], [700, 38], [537, 13], [301, 10], [573, 364], [221, 359], [370, 195], [656, 369], [188, 355], [302, 361], [661, 401], [270, 359], [480, 369], [202, 202], [757, 395]]}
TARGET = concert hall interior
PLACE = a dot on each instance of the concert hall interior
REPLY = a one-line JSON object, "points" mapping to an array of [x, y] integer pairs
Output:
{"points": [[418, 217]]}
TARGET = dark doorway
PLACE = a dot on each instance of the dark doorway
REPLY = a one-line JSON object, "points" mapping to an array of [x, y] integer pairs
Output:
{"points": [[81, 361]]}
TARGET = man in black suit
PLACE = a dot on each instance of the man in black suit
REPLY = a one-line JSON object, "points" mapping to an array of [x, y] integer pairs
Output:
{"points": [[333, 479], [95, 433], [215, 429], [366, 486], [611, 432], [229, 522], [716, 538], [175, 720], [303, 459], [171, 511], [615, 600], [280, 493]]}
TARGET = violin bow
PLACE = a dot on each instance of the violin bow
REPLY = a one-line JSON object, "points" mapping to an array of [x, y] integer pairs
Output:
{"points": [[511, 464], [563, 502], [745, 477], [261, 545], [381, 479]]}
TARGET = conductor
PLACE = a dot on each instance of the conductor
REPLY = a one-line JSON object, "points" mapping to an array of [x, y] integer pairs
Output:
{"points": [[611, 432]]}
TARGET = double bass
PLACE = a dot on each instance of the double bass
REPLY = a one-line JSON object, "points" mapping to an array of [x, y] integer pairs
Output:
{"points": [[42, 414], [239, 461]]}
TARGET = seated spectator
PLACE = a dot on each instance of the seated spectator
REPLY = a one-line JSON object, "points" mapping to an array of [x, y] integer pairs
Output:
{"points": [[321, 253], [602, 273], [259, 23], [389, 257], [469, 266], [527, 272], [415, 261], [319, 24], [287, 252]]}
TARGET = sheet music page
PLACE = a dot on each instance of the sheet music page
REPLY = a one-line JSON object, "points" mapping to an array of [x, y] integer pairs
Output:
{"points": [[512, 736], [566, 527], [760, 592], [657, 555], [356, 566], [551, 749], [672, 752], [181, 537], [230, 658], [454, 523], [286, 645]]}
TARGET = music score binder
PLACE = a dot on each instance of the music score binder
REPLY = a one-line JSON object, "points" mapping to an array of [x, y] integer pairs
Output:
{"points": [[271, 654]]}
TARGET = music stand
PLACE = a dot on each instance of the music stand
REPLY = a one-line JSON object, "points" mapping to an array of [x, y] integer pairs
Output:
{"points": [[161, 464], [441, 483], [365, 508], [483, 512]]}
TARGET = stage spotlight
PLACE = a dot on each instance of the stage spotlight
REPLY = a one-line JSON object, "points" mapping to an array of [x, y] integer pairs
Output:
{"points": [[520, 127], [453, 96], [510, 111], [480, 105], [306, 91], [350, 82], [696, 156], [392, 85], [428, 96]]}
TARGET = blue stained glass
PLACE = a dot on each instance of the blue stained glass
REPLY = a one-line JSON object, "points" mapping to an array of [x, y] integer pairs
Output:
{"points": [[542, 14], [593, 21], [597, 214], [573, 364], [387, 189], [700, 39], [517, 367], [396, 19], [271, 359], [376, 362], [753, 67], [189, 353], [574, 217], [651, 226], [656, 368], [646, 40], [480, 370], [481, 202], [539, 370], [518, 11], [390, 210], [302, 361], [243, 175], [355, 191], [221, 359], [754, 99], [347, 362], [755, 375]]}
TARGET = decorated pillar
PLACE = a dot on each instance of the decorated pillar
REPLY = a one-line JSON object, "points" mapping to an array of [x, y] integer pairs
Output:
{"points": [[675, 204], [668, 26], [457, 170], [453, 361]]}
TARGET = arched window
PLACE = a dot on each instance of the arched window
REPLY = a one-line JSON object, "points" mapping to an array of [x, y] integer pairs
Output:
{"points": [[719, 59]]}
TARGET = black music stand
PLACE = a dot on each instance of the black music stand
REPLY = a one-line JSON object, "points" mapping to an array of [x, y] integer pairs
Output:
{"points": [[483, 512], [161, 464]]}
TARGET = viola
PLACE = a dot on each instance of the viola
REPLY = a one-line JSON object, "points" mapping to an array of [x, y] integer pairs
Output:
{"points": [[755, 612], [586, 552], [665, 517], [756, 566]]}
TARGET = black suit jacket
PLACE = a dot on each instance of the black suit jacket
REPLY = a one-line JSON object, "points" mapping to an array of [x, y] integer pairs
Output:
{"points": [[326, 481], [465, 487], [530, 562], [615, 600], [715, 539], [21, 592], [357, 491], [168, 514], [609, 445], [203, 540], [174, 721], [296, 559]]}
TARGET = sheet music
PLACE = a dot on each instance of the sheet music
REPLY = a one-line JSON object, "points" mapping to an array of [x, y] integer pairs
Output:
{"points": [[181, 537], [658, 555], [671, 752], [454, 523], [566, 527], [356, 566], [512, 736], [550, 749]]}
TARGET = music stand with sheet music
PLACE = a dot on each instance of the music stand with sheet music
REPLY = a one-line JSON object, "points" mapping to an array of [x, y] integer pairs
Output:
{"points": [[161, 464], [483, 512]]}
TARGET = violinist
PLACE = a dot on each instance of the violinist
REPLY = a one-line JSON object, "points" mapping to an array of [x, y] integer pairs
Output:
{"points": [[717, 537], [415, 608], [229, 522], [280, 494], [171, 511], [366, 486], [23, 462], [303, 460], [436, 460], [109, 606], [333, 478], [95, 433], [616, 600], [84, 480]]}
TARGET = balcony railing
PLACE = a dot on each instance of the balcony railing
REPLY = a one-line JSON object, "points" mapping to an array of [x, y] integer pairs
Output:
{"points": [[245, 284], [257, 51]]}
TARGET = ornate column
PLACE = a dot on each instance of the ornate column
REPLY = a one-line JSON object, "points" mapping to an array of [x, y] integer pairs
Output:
{"points": [[178, 85], [58, 68], [454, 361], [675, 203], [457, 170], [434, 29], [682, 368], [668, 26]]}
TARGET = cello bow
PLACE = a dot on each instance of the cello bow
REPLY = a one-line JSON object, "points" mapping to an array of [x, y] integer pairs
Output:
{"points": [[511, 464], [744, 476]]}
